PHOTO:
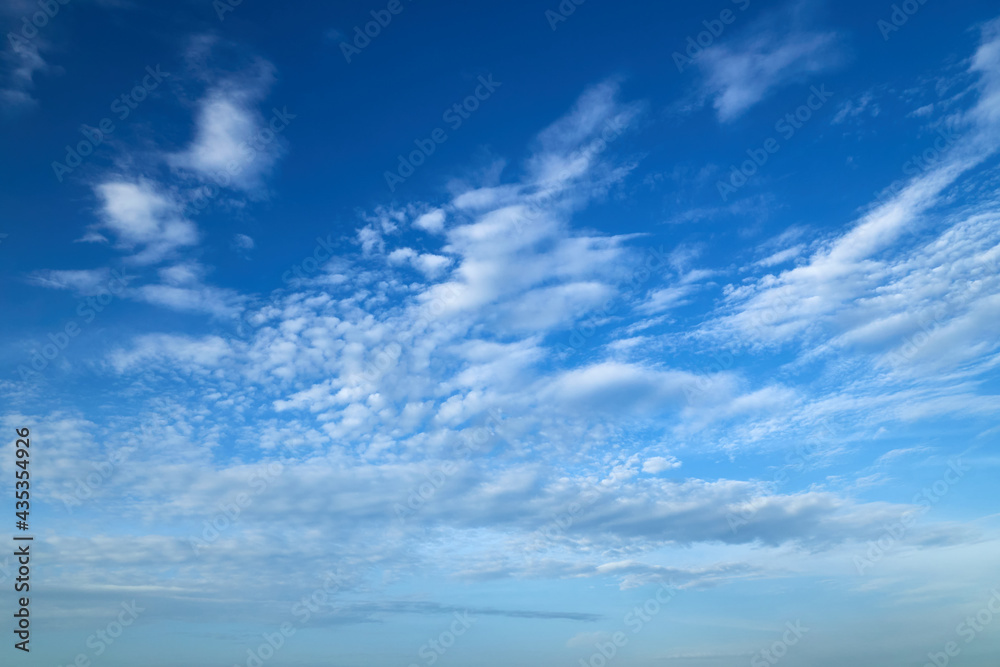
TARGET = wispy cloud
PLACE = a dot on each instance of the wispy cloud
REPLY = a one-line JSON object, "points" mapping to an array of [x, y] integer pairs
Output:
{"points": [[224, 149], [774, 53], [22, 62], [142, 217]]}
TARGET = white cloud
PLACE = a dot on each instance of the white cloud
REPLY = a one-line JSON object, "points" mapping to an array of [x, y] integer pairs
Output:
{"points": [[229, 147], [782, 256], [741, 74], [139, 214], [618, 387], [432, 221], [149, 219], [368, 378], [657, 464], [432, 265], [21, 63], [242, 242], [856, 286], [215, 301], [853, 108], [85, 282], [207, 352], [665, 299]]}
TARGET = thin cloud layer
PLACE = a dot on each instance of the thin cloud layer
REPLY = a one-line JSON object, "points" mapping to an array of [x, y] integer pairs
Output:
{"points": [[775, 52]]}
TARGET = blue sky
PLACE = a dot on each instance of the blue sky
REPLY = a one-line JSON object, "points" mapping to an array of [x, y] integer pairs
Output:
{"points": [[508, 333]]}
